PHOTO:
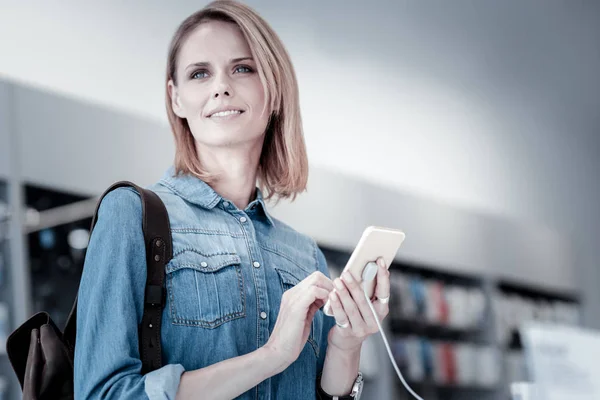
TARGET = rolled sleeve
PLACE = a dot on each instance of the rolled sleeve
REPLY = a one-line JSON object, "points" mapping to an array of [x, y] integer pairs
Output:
{"points": [[162, 384]]}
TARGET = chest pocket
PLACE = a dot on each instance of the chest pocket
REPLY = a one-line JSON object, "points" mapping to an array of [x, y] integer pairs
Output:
{"points": [[290, 277], [205, 290]]}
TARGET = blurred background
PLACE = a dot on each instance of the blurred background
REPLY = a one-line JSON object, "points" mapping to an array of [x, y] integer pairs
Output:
{"points": [[472, 126]]}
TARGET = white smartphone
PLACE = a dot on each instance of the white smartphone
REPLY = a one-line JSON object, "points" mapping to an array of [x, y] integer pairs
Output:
{"points": [[375, 242]]}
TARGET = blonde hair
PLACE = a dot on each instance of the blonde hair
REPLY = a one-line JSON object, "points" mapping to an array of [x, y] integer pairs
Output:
{"points": [[283, 165]]}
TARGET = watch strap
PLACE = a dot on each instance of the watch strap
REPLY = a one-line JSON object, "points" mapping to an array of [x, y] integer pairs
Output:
{"points": [[323, 395]]}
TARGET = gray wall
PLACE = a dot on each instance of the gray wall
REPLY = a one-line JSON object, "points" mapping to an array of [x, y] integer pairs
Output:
{"points": [[337, 208], [84, 148]]}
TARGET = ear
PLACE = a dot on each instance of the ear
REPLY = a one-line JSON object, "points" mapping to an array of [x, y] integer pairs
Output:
{"points": [[175, 100]]}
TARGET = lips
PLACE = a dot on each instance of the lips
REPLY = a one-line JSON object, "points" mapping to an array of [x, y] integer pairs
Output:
{"points": [[224, 110], [225, 113]]}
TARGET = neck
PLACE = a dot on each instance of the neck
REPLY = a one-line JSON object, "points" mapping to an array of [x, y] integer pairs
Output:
{"points": [[236, 171]]}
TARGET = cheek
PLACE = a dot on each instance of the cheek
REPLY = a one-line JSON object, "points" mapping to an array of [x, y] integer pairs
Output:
{"points": [[192, 100], [258, 99]]}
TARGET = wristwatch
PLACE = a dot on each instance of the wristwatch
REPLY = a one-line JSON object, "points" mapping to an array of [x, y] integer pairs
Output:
{"points": [[354, 395]]}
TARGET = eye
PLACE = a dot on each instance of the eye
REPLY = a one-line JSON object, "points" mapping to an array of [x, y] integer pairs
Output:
{"points": [[243, 69], [199, 74]]}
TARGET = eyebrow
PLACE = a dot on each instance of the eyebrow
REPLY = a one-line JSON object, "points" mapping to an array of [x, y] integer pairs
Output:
{"points": [[205, 64]]}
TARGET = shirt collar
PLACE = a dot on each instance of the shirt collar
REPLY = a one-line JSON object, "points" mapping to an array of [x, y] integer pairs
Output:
{"points": [[259, 202], [198, 192]]}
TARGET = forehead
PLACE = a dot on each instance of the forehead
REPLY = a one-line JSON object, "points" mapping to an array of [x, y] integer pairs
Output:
{"points": [[215, 42]]}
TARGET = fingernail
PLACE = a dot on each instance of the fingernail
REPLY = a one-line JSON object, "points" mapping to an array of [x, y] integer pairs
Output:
{"points": [[348, 277], [338, 284], [381, 262]]}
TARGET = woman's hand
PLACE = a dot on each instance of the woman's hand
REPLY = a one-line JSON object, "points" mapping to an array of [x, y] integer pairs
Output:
{"points": [[298, 307], [354, 319]]}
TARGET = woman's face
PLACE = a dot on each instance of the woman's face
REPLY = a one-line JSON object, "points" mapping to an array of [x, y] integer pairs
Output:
{"points": [[216, 72]]}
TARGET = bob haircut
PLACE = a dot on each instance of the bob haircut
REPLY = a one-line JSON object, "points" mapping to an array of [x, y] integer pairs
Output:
{"points": [[283, 165]]}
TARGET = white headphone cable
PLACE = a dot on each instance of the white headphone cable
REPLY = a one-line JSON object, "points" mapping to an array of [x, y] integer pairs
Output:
{"points": [[389, 350]]}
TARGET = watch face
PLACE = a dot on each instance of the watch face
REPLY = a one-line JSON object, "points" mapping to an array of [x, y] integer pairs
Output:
{"points": [[358, 387], [358, 391]]}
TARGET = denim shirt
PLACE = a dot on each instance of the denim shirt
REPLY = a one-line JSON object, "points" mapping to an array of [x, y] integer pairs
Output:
{"points": [[224, 284]]}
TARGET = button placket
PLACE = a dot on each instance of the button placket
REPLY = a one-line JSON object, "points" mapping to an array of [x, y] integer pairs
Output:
{"points": [[258, 273]]}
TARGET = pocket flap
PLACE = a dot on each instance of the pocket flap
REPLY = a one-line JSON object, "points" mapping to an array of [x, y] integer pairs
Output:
{"points": [[201, 262], [288, 277]]}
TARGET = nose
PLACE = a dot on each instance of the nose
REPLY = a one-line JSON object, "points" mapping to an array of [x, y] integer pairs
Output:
{"points": [[222, 88], [221, 93]]}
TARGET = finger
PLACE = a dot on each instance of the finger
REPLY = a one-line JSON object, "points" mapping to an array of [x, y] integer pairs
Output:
{"points": [[382, 290], [359, 326], [316, 279], [319, 279], [320, 303], [338, 311], [358, 294], [306, 298], [381, 309]]}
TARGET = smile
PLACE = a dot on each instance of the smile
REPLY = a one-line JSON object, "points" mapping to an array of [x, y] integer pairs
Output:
{"points": [[227, 113]]}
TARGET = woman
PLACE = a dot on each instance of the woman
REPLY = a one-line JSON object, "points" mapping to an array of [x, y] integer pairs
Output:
{"points": [[244, 291]]}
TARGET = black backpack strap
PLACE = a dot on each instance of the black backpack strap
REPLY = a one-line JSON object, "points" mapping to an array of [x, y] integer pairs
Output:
{"points": [[159, 251]]}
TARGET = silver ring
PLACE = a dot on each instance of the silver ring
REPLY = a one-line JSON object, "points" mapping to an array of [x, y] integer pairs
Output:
{"points": [[343, 326], [384, 300]]}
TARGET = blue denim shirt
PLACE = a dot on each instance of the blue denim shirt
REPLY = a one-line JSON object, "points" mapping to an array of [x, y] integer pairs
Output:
{"points": [[224, 284]]}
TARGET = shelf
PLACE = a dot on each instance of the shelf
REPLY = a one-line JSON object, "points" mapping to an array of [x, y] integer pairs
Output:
{"points": [[430, 272], [536, 293], [432, 331]]}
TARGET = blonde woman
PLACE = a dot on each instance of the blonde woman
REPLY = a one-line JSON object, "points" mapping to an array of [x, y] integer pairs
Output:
{"points": [[244, 291]]}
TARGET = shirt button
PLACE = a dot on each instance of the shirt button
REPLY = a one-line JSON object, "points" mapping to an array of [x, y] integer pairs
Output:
{"points": [[263, 315], [226, 203], [256, 264], [243, 219], [203, 264]]}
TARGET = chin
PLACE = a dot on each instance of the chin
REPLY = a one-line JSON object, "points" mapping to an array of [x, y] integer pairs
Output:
{"points": [[228, 140]]}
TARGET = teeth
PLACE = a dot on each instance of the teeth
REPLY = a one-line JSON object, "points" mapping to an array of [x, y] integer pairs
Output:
{"points": [[225, 113]]}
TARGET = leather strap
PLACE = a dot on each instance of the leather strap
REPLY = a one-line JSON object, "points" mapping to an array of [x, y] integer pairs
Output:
{"points": [[323, 395], [159, 251]]}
